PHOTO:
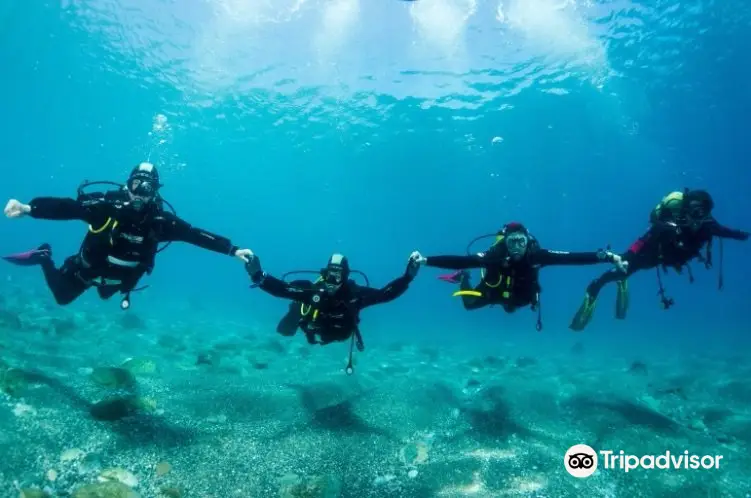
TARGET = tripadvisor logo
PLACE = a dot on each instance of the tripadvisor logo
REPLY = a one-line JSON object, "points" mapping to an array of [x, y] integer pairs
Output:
{"points": [[582, 461]]}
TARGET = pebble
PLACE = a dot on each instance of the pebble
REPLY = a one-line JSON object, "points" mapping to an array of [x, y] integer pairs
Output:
{"points": [[33, 493], [21, 409], [71, 454], [381, 480], [163, 468], [412, 474], [52, 475], [118, 474]]}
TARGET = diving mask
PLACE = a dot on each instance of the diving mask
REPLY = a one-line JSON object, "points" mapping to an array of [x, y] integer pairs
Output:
{"points": [[141, 191], [333, 278], [696, 215], [516, 243], [142, 188], [336, 273]]}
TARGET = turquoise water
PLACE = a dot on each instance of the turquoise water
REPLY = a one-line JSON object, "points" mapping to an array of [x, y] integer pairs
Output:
{"points": [[374, 128]]}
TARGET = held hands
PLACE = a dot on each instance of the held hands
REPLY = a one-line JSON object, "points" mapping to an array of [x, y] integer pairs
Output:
{"points": [[418, 258], [244, 255], [16, 209], [253, 267], [617, 261], [413, 264]]}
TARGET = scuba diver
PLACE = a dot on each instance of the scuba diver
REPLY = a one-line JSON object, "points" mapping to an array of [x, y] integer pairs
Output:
{"points": [[328, 310], [126, 227], [680, 226], [510, 269]]}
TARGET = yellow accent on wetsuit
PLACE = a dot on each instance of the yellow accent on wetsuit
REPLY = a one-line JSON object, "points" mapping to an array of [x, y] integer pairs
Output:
{"points": [[304, 311], [103, 227]]}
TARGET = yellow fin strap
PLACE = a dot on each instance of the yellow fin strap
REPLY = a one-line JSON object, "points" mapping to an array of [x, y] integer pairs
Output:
{"points": [[467, 293]]}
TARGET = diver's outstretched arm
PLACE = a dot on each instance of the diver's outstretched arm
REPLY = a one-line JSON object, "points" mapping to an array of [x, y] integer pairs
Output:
{"points": [[727, 233], [368, 296], [172, 228], [276, 287], [89, 208], [456, 262], [479, 260], [545, 257], [280, 288]]}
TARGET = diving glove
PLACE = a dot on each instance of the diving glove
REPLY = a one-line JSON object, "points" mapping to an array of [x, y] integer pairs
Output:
{"points": [[16, 209], [253, 267], [413, 264], [243, 254], [616, 259]]}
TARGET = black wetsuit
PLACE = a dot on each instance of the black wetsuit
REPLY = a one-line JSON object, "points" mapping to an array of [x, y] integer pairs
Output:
{"points": [[667, 246], [120, 246], [511, 284], [326, 318]]}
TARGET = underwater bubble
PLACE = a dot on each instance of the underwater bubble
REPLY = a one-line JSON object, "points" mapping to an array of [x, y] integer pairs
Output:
{"points": [[499, 15], [160, 123]]}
